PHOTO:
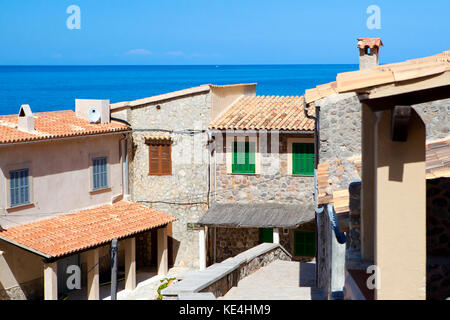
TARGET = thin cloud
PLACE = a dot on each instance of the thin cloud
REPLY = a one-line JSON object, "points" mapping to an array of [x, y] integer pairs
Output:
{"points": [[138, 52], [175, 53]]}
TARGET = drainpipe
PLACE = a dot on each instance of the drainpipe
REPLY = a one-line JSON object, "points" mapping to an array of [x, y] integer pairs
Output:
{"points": [[127, 184]]}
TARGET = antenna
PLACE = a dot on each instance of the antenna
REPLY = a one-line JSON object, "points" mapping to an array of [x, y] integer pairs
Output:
{"points": [[94, 115]]}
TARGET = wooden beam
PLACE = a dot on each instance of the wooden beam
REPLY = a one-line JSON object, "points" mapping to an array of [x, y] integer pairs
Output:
{"points": [[411, 98]]}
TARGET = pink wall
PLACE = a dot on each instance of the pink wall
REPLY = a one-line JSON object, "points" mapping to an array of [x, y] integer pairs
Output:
{"points": [[61, 176]]}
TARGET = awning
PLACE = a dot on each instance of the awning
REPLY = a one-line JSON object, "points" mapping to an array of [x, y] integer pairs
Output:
{"points": [[74, 232], [258, 215]]}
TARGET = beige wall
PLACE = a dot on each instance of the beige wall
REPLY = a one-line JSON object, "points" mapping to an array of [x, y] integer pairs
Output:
{"points": [[61, 176], [400, 214], [18, 266], [223, 97]]}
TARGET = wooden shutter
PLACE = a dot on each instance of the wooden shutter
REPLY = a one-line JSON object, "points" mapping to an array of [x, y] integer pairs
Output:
{"points": [[243, 157], [303, 158], [160, 158]]}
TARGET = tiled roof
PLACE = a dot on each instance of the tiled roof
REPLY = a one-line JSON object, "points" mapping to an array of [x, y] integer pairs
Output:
{"points": [[85, 229], [51, 125], [329, 174], [369, 43], [386, 74], [265, 113]]}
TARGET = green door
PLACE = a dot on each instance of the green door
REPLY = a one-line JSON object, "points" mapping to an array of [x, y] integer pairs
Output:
{"points": [[304, 244], [266, 235]]}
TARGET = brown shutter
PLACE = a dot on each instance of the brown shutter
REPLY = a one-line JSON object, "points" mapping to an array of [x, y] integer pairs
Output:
{"points": [[166, 159], [160, 159]]}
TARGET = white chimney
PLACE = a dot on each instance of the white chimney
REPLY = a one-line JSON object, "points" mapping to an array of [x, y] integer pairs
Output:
{"points": [[93, 110], [369, 49], [26, 119]]}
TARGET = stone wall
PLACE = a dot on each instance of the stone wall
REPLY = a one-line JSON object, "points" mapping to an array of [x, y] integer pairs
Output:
{"points": [[273, 185], [330, 258], [184, 194], [340, 127], [233, 241], [438, 238]]}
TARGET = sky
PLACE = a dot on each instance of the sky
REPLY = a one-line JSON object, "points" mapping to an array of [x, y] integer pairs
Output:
{"points": [[119, 32]]}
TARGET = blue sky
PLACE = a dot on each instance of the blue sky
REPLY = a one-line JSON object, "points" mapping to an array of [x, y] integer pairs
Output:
{"points": [[216, 32]]}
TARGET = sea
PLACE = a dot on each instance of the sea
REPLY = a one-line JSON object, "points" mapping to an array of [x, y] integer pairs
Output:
{"points": [[49, 88]]}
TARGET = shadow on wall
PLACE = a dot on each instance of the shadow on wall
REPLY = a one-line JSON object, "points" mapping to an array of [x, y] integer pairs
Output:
{"points": [[307, 278]]}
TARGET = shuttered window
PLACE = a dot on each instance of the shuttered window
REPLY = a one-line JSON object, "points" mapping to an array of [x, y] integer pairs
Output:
{"points": [[243, 157], [303, 158], [160, 158], [19, 187], [100, 173], [304, 244]]}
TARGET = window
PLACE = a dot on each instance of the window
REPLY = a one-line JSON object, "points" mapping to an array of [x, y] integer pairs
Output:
{"points": [[243, 157], [303, 158], [266, 235], [99, 173], [304, 244], [19, 187], [160, 157]]}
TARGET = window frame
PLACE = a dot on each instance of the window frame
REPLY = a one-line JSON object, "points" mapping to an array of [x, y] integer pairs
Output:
{"points": [[101, 173], [15, 167], [97, 155], [151, 143], [290, 155]]}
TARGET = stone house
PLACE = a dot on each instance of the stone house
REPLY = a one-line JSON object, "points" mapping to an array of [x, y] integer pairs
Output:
{"points": [[63, 199], [169, 160], [263, 159], [346, 149]]}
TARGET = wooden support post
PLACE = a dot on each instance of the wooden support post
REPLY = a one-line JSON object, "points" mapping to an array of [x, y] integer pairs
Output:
{"points": [[163, 259], [50, 281], [130, 263], [93, 281]]}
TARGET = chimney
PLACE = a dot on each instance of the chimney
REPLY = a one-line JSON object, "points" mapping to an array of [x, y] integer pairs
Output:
{"points": [[26, 119], [369, 49], [95, 111]]}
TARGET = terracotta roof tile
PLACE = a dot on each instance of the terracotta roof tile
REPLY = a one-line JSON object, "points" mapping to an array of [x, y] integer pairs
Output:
{"points": [[265, 113], [369, 43], [51, 125], [73, 232]]}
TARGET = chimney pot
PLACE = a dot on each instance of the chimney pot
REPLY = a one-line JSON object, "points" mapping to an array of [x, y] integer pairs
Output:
{"points": [[369, 49], [25, 119]]}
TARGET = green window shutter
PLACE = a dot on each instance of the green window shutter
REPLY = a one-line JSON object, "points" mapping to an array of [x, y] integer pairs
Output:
{"points": [[243, 157], [303, 158], [304, 244], [266, 235]]}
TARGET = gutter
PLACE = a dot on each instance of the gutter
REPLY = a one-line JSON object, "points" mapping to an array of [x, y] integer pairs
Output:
{"points": [[65, 138]]}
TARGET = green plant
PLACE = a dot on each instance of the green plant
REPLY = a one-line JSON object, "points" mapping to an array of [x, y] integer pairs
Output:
{"points": [[164, 284]]}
